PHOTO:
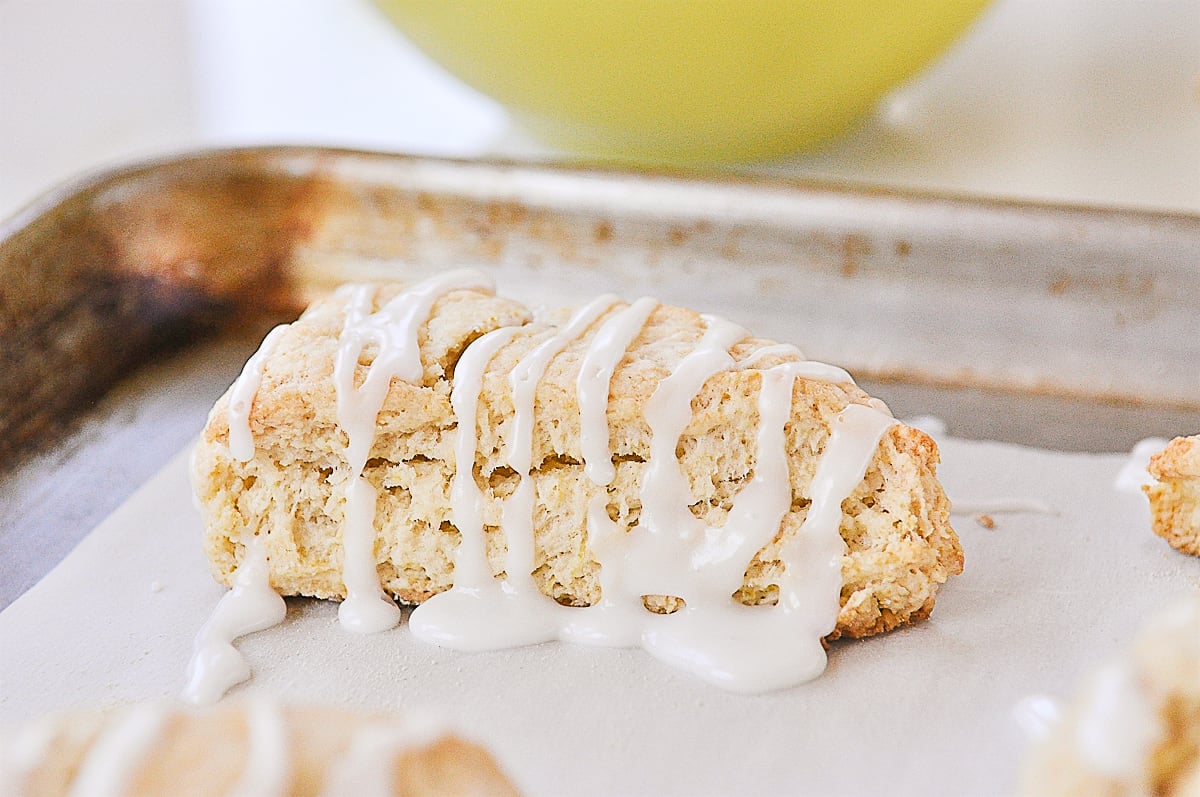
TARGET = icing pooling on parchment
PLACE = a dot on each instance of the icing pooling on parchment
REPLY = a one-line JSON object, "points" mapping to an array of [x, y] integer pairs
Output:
{"points": [[670, 551], [251, 605]]}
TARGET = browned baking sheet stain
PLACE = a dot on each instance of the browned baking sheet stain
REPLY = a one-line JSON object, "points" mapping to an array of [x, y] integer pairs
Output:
{"points": [[133, 265]]}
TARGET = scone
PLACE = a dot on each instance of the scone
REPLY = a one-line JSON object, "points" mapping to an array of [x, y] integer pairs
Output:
{"points": [[1175, 494], [250, 747], [1135, 729], [622, 457]]}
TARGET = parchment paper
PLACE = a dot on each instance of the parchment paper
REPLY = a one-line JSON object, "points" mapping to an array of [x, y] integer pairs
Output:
{"points": [[926, 710]]}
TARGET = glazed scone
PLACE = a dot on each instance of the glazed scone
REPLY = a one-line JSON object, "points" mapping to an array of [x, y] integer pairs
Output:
{"points": [[291, 490], [247, 747], [1175, 494], [1135, 728]]}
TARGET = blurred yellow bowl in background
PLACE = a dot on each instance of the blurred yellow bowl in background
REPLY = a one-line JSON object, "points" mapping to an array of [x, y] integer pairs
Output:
{"points": [[683, 81]]}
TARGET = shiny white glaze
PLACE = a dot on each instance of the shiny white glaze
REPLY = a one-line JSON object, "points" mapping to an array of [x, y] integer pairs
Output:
{"points": [[755, 357], [251, 605], [658, 562], [366, 608], [518, 509], [242, 393], [607, 349], [478, 612], [111, 763], [672, 552], [393, 329]]}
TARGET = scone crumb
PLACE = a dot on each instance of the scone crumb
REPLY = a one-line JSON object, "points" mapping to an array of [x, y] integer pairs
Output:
{"points": [[987, 521]]}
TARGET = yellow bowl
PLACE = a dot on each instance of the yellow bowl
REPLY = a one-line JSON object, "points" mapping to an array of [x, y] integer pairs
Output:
{"points": [[683, 81]]}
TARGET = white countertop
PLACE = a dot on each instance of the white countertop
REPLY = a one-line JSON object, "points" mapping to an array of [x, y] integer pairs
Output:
{"points": [[1078, 101]]}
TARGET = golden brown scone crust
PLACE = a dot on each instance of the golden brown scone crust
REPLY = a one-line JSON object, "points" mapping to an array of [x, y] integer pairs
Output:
{"points": [[1175, 497], [896, 523], [1165, 663], [200, 752]]}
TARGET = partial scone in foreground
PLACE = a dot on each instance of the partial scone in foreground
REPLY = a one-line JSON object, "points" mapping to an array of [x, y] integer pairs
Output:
{"points": [[1135, 728], [1175, 494], [249, 747], [898, 543]]}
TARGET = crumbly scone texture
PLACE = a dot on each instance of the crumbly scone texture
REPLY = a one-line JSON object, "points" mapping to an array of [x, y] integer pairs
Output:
{"points": [[1165, 667], [208, 751], [900, 545], [1175, 494]]}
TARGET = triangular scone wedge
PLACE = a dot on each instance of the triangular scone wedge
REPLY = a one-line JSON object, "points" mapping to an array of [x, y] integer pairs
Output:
{"points": [[899, 545], [1175, 494]]}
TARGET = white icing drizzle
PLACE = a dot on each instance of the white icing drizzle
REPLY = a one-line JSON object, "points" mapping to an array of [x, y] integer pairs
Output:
{"points": [[1134, 475], [607, 349], [670, 551], [769, 350], [393, 329], [366, 608], [518, 509], [614, 620], [251, 605], [658, 563], [714, 636], [1117, 726], [241, 397], [267, 753], [110, 765], [478, 612], [804, 369], [367, 767]]}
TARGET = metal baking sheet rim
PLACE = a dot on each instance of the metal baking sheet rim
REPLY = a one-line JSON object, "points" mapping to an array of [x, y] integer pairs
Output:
{"points": [[1084, 302]]}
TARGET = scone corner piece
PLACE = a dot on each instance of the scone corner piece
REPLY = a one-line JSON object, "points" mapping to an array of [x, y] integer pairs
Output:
{"points": [[1175, 494], [893, 581]]}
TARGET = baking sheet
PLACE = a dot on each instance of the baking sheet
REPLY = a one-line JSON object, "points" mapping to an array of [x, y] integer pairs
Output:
{"points": [[925, 710], [1068, 328], [1059, 326]]}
